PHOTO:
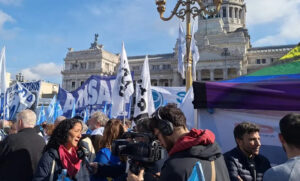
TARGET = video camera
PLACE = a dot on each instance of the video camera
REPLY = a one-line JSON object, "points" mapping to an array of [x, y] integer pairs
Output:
{"points": [[143, 149]]}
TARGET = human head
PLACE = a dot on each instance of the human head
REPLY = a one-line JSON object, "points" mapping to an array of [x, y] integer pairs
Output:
{"points": [[143, 126], [112, 130], [247, 137], [127, 125], [13, 129], [96, 140], [67, 132], [26, 119], [290, 130], [49, 129], [97, 120], [58, 120], [168, 123], [84, 127]]}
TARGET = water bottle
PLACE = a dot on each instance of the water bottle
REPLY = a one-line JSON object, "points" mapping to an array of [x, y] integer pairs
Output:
{"points": [[63, 176]]}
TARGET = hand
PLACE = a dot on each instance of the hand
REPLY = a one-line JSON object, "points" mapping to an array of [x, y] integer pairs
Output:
{"points": [[133, 177], [94, 166], [240, 179]]}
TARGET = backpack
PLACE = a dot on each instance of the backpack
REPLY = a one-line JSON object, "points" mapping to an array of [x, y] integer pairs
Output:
{"points": [[198, 175]]}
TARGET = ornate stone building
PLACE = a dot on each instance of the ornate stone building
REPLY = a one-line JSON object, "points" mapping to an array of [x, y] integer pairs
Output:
{"points": [[224, 47], [80, 65]]}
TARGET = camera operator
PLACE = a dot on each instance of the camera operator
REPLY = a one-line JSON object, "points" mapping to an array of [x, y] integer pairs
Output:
{"points": [[152, 172], [185, 148]]}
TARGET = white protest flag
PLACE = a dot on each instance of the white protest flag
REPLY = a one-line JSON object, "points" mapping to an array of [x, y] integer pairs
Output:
{"points": [[20, 98], [123, 86], [2, 80], [195, 51], [26, 98], [181, 51], [144, 105], [2, 72]]}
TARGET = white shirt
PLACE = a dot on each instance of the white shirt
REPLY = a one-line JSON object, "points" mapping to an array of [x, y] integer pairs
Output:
{"points": [[98, 131]]}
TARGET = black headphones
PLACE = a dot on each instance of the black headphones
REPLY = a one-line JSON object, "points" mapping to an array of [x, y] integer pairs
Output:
{"points": [[164, 126]]}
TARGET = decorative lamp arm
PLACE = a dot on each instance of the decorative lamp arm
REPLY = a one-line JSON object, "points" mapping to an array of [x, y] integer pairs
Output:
{"points": [[161, 9]]}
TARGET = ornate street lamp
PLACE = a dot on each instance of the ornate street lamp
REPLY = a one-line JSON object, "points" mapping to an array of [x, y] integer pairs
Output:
{"points": [[188, 9]]}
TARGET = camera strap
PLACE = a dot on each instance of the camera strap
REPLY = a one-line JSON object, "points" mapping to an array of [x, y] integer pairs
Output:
{"points": [[213, 170], [52, 170]]}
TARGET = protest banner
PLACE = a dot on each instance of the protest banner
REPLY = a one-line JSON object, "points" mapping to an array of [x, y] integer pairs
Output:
{"points": [[18, 99], [94, 94]]}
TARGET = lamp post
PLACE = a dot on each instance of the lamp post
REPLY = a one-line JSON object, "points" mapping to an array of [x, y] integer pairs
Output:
{"points": [[188, 9]]}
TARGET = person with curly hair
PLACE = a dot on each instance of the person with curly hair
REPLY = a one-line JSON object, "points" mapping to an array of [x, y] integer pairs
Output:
{"points": [[116, 171], [60, 153]]}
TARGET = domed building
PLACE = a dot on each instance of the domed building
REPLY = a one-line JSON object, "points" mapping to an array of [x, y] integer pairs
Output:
{"points": [[224, 47]]}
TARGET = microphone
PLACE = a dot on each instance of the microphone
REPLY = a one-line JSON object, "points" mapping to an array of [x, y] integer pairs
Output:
{"points": [[83, 153], [253, 170]]}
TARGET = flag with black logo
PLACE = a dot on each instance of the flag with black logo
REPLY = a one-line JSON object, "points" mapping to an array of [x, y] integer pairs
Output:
{"points": [[122, 88], [144, 105]]}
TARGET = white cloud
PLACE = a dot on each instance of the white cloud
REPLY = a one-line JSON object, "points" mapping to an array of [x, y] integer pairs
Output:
{"points": [[4, 18], [291, 26], [282, 12], [6, 33], [264, 11], [29, 75], [44, 71], [11, 2]]}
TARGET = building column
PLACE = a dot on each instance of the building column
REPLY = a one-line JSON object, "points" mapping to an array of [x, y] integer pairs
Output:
{"points": [[212, 77], [225, 73], [227, 11], [221, 12], [199, 75], [239, 72], [243, 17], [233, 12]]}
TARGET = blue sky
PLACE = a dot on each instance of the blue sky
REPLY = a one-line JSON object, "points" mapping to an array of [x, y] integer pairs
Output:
{"points": [[37, 33]]}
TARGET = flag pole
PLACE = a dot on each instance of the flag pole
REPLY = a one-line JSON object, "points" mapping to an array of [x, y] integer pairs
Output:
{"points": [[124, 113], [4, 103]]}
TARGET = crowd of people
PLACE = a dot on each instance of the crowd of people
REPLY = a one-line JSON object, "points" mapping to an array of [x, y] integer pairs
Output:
{"points": [[85, 151]]}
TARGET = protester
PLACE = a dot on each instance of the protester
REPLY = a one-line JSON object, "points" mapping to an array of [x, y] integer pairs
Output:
{"points": [[86, 138], [48, 130], [113, 130], [186, 149], [21, 152], [4, 129], [13, 128], [96, 140], [127, 125], [244, 162], [60, 153], [152, 172], [58, 120], [289, 137], [97, 122]]}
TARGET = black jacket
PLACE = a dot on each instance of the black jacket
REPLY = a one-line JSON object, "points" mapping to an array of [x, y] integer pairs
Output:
{"points": [[239, 165], [20, 154], [43, 171], [178, 167]]}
